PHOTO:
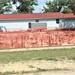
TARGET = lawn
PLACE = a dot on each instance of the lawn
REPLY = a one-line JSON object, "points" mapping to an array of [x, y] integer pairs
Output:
{"points": [[48, 54]]}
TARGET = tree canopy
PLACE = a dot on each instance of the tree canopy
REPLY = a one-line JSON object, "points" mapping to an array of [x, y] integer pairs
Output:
{"points": [[5, 6], [64, 6], [26, 6]]}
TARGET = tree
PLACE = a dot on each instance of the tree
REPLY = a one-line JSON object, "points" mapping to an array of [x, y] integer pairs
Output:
{"points": [[5, 6], [54, 6], [51, 6], [72, 5], [67, 10], [67, 6], [26, 6]]}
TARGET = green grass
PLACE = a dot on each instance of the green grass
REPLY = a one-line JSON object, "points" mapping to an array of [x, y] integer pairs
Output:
{"points": [[54, 54]]}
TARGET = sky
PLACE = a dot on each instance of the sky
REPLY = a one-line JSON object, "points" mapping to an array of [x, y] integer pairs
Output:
{"points": [[38, 8]]}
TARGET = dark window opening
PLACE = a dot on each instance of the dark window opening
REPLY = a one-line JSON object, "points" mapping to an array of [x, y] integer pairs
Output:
{"points": [[37, 20], [29, 25], [57, 21]]}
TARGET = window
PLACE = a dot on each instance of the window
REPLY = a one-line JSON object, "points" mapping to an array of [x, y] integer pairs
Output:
{"points": [[57, 21], [29, 25], [37, 20]]}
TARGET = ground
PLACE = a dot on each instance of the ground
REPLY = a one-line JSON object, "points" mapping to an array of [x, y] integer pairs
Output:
{"points": [[51, 61], [54, 73], [65, 67]]}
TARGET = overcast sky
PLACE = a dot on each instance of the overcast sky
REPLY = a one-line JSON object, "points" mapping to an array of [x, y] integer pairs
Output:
{"points": [[38, 8]]}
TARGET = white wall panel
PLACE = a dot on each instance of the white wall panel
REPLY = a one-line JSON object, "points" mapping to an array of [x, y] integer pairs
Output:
{"points": [[15, 25]]}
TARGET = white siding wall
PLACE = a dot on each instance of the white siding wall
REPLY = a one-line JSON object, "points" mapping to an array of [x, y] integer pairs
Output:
{"points": [[23, 24], [14, 25], [51, 23]]}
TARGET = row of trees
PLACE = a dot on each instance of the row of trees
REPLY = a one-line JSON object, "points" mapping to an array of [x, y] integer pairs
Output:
{"points": [[27, 6], [64, 6]]}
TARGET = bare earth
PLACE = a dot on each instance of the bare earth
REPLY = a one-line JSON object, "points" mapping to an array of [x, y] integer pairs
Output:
{"points": [[54, 73], [41, 65], [61, 67]]}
